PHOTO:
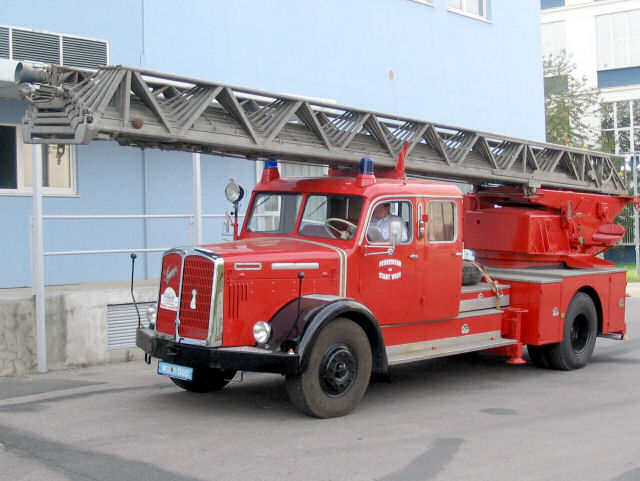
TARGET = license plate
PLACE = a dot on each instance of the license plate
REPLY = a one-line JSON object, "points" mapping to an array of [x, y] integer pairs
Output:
{"points": [[174, 370]]}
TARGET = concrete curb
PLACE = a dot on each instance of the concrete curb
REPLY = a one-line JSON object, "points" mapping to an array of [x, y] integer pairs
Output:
{"points": [[633, 289]]}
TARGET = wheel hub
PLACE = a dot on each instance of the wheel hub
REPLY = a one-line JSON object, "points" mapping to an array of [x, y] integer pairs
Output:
{"points": [[579, 334], [338, 370]]}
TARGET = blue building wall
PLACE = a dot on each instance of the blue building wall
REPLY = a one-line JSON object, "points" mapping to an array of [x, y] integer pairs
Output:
{"points": [[447, 67]]}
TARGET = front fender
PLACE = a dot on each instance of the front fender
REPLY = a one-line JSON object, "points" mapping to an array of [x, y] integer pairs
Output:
{"points": [[300, 322]]}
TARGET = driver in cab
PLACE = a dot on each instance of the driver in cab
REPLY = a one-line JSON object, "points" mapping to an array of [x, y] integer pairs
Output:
{"points": [[380, 222]]}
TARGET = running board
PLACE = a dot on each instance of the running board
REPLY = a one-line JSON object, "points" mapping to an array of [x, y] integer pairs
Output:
{"points": [[419, 351]]}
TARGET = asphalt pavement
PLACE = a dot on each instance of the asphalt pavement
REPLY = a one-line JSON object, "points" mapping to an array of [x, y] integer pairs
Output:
{"points": [[470, 417]]}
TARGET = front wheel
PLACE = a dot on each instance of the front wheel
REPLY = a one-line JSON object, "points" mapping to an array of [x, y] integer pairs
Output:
{"points": [[206, 380], [338, 372], [579, 335]]}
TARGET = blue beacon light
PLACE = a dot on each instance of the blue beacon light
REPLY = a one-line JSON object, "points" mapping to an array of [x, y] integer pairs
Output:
{"points": [[365, 174]]}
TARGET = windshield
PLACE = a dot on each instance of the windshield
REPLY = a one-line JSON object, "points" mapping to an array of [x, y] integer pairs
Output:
{"points": [[274, 213], [331, 216]]}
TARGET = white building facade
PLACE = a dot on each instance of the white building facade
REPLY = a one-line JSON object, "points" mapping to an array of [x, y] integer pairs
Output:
{"points": [[602, 38]]}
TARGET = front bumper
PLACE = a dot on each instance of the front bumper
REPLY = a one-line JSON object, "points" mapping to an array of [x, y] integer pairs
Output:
{"points": [[244, 358]]}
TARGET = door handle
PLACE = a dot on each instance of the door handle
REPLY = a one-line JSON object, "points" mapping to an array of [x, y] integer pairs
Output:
{"points": [[414, 256], [459, 254]]}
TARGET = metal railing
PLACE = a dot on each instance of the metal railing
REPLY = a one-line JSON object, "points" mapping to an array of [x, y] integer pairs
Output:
{"points": [[190, 217]]}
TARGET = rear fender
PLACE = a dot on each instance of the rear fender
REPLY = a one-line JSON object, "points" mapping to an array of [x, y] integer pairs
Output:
{"points": [[299, 323]]}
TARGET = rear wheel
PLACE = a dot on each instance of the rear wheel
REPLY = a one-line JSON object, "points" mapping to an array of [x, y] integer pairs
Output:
{"points": [[338, 372], [579, 335], [206, 380]]}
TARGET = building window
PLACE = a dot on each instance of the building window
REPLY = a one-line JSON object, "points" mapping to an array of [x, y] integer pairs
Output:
{"points": [[16, 177], [618, 40], [621, 126], [477, 8], [554, 39], [544, 4]]}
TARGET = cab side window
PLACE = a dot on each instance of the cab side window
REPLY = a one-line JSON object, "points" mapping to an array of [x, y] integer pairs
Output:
{"points": [[384, 212], [441, 223]]}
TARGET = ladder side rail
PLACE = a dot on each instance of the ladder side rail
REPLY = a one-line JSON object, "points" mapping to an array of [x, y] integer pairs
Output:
{"points": [[179, 113]]}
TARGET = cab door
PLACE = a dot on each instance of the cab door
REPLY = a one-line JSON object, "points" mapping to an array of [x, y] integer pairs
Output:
{"points": [[387, 282], [442, 258]]}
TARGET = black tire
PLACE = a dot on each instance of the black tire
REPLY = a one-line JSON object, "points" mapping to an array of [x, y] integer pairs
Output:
{"points": [[579, 335], [470, 274], [538, 355], [338, 372], [206, 380]]}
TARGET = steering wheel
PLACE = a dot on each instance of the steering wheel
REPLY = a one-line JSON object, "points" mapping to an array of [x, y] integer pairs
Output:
{"points": [[336, 233]]}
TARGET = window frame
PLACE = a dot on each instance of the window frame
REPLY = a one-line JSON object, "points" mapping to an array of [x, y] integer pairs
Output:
{"points": [[425, 2], [455, 221], [303, 210], [552, 28], [25, 190], [411, 222], [252, 214], [467, 13], [634, 126], [610, 41]]}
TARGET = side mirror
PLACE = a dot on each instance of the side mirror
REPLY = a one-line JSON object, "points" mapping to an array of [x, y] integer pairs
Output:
{"points": [[395, 234]]}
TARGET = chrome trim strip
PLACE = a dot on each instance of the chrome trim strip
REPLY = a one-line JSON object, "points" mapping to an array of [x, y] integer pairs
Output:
{"points": [[322, 297], [483, 303], [461, 315], [342, 255], [216, 308], [216, 320], [192, 342], [284, 266], [418, 351], [248, 266], [183, 254]]}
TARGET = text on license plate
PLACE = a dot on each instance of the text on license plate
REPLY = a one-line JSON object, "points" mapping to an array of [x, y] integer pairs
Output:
{"points": [[174, 370]]}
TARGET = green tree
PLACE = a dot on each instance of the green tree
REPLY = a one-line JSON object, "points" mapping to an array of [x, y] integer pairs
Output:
{"points": [[571, 107]]}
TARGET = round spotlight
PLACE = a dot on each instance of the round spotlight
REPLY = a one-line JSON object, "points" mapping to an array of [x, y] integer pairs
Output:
{"points": [[261, 332], [234, 192]]}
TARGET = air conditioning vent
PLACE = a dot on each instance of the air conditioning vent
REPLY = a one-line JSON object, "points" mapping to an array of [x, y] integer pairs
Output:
{"points": [[122, 323], [80, 52], [52, 48], [36, 46], [4, 42]]}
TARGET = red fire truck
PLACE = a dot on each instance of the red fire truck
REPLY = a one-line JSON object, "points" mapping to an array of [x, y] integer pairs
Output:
{"points": [[332, 279]]}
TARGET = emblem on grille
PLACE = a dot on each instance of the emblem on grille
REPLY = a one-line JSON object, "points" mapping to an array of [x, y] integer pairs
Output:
{"points": [[169, 273], [194, 293]]}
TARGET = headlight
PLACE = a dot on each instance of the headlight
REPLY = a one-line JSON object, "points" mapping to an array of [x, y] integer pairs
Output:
{"points": [[261, 332], [234, 192], [151, 317]]}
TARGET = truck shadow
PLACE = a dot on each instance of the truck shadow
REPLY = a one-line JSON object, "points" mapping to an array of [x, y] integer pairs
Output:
{"points": [[259, 393], [434, 379]]}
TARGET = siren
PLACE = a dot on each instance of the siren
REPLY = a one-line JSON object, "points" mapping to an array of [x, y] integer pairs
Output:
{"points": [[270, 171], [365, 174]]}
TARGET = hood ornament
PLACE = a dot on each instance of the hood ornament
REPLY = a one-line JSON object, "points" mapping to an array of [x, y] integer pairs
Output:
{"points": [[169, 273]]}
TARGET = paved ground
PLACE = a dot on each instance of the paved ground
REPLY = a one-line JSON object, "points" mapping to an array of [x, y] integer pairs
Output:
{"points": [[466, 418]]}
